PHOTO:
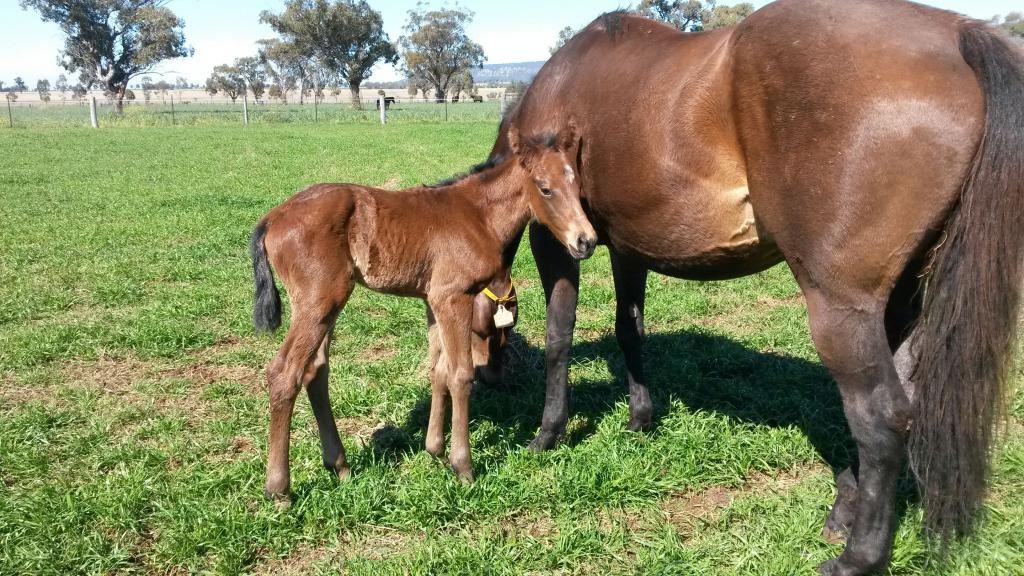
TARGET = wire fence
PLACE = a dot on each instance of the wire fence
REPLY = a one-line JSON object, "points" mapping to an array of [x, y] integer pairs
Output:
{"points": [[172, 112]]}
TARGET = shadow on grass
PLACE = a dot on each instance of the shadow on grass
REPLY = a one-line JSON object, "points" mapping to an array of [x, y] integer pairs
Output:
{"points": [[706, 372]]}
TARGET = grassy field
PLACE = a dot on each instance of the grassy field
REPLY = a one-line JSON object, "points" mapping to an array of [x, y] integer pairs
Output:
{"points": [[133, 414]]}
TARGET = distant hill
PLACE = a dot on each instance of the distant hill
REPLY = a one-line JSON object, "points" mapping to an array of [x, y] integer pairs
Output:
{"points": [[505, 73]]}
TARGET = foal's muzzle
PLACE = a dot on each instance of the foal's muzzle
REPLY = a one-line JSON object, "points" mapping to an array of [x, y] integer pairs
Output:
{"points": [[583, 246]]}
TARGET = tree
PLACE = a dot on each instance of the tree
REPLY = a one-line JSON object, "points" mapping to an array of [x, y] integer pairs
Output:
{"points": [[436, 47], [694, 15], [19, 85], [254, 74], [564, 35], [286, 66], [462, 83], [43, 88], [227, 79], [343, 38], [78, 92], [12, 96], [109, 42], [61, 85], [1013, 23]]}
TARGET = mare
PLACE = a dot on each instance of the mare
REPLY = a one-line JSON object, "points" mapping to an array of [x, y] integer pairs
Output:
{"points": [[875, 146]]}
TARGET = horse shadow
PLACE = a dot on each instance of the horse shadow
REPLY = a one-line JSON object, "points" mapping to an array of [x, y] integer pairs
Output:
{"points": [[704, 371]]}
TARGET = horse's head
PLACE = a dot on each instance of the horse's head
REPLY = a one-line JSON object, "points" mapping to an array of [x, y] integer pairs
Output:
{"points": [[554, 187], [489, 341]]}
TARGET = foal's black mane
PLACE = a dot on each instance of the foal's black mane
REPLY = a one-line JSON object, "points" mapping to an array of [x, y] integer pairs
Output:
{"points": [[480, 168]]}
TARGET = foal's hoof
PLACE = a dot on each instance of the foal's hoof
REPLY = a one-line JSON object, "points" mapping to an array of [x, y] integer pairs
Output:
{"points": [[833, 536], [281, 501], [543, 442], [465, 476]]}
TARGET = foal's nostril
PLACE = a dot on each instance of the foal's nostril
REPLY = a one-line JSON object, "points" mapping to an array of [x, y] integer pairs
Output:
{"points": [[584, 245]]}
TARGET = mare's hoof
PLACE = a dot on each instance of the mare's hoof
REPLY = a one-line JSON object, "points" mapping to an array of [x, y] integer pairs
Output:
{"points": [[639, 425], [829, 568], [543, 442], [344, 473]]}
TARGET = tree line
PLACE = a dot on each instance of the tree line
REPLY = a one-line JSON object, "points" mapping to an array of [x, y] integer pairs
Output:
{"points": [[319, 44]]}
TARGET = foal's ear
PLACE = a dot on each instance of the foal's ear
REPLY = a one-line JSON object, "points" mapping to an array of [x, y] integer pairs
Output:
{"points": [[513, 140], [568, 136]]}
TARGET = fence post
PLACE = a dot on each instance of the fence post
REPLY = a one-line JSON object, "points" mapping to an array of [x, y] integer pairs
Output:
{"points": [[10, 118], [382, 103], [172, 109], [93, 119], [316, 109], [245, 108]]}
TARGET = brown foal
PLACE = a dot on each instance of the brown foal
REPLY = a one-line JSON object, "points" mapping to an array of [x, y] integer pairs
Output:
{"points": [[444, 244]]}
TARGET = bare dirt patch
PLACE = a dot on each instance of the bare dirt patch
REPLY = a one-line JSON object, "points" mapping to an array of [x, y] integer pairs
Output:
{"points": [[380, 351], [684, 510], [392, 183]]}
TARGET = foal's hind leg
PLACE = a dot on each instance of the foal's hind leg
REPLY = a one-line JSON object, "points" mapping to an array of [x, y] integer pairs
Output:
{"points": [[437, 364], [293, 368], [901, 313], [630, 290], [330, 443], [849, 333], [454, 317]]}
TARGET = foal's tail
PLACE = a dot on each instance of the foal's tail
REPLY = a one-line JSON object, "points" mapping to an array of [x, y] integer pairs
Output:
{"points": [[968, 324], [266, 310]]}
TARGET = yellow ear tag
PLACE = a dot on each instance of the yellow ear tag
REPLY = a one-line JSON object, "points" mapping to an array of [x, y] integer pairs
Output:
{"points": [[503, 318]]}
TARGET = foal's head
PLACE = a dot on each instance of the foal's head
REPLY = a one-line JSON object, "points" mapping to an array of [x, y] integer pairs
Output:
{"points": [[554, 190]]}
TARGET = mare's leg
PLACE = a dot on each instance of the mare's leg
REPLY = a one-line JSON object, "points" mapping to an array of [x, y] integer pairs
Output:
{"points": [[849, 333], [330, 443], [454, 318], [901, 313], [630, 290], [438, 365], [560, 275]]}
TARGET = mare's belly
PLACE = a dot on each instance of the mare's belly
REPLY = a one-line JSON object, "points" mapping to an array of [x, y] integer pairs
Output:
{"points": [[712, 234]]}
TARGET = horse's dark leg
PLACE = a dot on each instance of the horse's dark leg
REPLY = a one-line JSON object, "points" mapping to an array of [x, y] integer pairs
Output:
{"points": [[560, 275], [630, 289], [330, 443], [901, 313], [849, 333]]}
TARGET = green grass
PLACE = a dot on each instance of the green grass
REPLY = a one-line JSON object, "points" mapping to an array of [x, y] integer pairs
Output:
{"points": [[133, 416]]}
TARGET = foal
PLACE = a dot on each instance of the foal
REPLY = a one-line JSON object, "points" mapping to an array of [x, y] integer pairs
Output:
{"points": [[444, 244]]}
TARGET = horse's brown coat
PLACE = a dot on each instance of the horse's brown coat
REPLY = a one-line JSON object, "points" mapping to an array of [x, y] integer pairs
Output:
{"points": [[865, 132], [443, 244]]}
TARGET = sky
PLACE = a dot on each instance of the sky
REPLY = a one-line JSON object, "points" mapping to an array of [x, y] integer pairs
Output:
{"points": [[221, 30]]}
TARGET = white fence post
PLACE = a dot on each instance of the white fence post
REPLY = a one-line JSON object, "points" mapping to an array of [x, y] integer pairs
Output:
{"points": [[382, 103], [93, 119], [245, 108]]}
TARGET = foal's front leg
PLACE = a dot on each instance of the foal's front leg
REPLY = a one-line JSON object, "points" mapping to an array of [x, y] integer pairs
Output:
{"points": [[454, 316]]}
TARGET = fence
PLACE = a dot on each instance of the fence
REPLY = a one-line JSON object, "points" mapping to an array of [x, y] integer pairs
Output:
{"points": [[170, 111]]}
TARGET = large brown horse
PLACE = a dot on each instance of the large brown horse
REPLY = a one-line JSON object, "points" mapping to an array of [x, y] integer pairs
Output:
{"points": [[877, 147], [444, 244]]}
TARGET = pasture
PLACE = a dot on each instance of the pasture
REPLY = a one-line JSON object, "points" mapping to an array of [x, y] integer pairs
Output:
{"points": [[133, 412]]}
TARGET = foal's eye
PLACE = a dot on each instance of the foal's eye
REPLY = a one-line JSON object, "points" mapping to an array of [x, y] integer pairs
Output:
{"points": [[546, 192]]}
